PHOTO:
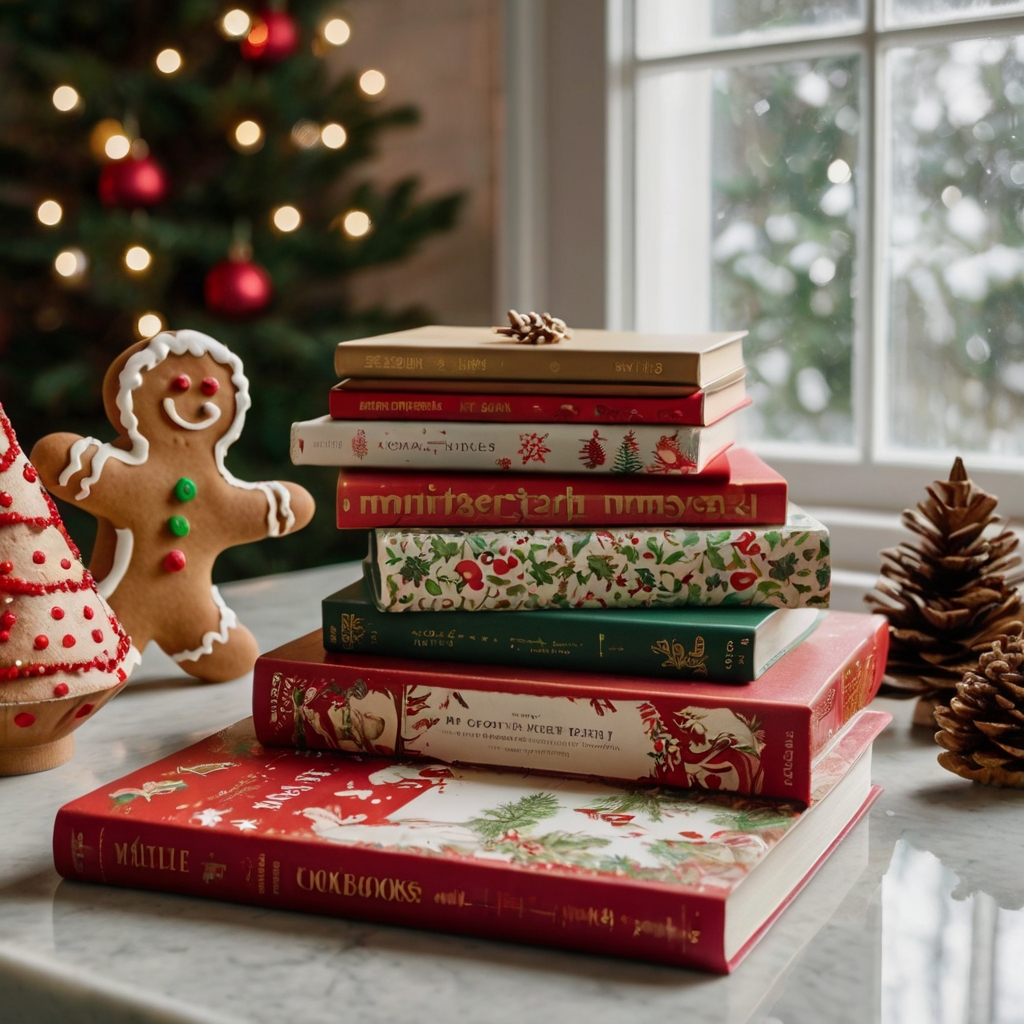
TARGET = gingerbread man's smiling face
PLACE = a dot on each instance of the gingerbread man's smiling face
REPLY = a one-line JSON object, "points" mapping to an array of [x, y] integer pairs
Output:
{"points": [[185, 399]]}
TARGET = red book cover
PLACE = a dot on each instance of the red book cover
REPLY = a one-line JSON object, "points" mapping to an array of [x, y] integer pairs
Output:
{"points": [[566, 862], [736, 488], [698, 409], [761, 739]]}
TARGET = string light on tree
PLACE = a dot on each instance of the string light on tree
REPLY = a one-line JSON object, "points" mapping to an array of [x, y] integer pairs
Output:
{"points": [[149, 324], [247, 137], [333, 136], [372, 82], [49, 212], [356, 223], [336, 32], [71, 264], [66, 98], [305, 134], [286, 218], [137, 259], [117, 147], [101, 133], [168, 61], [235, 23]]}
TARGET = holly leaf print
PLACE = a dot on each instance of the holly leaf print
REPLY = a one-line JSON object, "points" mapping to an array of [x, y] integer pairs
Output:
{"points": [[645, 577], [541, 571], [601, 567], [824, 546], [715, 557], [443, 548], [579, 544], [774, 538], [654, 547], [414, 569], [782, 568], [630, 553], [432, 588], [824, 576]]}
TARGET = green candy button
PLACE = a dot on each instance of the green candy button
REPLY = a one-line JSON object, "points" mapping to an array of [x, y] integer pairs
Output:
{"points": [[185, 490], [178, 525]]}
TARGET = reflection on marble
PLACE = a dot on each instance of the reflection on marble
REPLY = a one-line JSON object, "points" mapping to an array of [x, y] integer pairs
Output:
{"points": [[847, 950]]}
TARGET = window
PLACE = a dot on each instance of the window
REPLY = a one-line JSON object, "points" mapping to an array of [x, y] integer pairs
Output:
{"points": [[845, 179]]}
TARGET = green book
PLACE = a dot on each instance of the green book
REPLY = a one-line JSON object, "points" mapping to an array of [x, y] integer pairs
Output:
{"points": [[721, 644]]}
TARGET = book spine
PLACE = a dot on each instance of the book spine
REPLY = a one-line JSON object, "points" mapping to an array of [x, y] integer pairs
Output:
{"points": [[611, 729], [525, 363], [493, 447], [411, 405], [367, 500], [567, 641], [497, 570], [393, 888], [849, 689]]}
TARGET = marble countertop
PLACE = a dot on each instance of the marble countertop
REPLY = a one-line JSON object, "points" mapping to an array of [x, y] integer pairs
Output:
{"points": [[915, 918]]}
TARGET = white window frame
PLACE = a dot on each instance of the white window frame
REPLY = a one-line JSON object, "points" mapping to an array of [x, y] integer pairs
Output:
{"points": [[567, 230]]}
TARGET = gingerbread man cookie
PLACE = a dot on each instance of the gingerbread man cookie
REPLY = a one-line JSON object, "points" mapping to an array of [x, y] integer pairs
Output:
{"points": [[165, 502]]}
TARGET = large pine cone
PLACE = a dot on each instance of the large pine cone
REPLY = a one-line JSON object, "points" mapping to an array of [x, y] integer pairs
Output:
{"points": [[982, 729], [534, 328], [948, 594]]}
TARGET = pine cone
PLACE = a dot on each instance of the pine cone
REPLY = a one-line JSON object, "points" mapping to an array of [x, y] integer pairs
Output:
{"points": [[949, 594], [535, 328], [982, 729]]}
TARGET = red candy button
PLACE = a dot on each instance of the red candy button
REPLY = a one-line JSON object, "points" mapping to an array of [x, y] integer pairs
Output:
{"points": [[30, 474], [60, 690], [88, 612], [8, 619], [83, 711], [97, 635], [24, 720], [210, 386], [42, 642], [57, 612], [5, 499], [69, 640], [38, 557], [6, 567], [65, 563], [174, 561], [182, 382]]}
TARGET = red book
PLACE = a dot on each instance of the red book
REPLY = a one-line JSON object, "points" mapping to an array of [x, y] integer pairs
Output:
{"points": [[684, 878], [348, 402], [761, 739], [735, 489]]}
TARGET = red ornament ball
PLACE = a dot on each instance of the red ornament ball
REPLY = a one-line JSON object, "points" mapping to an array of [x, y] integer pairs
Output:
{"points": [[237, 288], [273, 37], [132, 183]]}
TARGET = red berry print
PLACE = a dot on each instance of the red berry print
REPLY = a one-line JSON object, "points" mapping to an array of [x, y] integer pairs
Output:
{"points": [[97, 635], [8, 619], [83, 710], [471, 573], [65, 563], [182, 382], [60, 690], [88, 612], [56, 612], [5, 499], [69, 640], [38, 557], [30, 474], [6, 567], [24, 720], [174, 561], [42, 642], [742, 579], [210, 386]]}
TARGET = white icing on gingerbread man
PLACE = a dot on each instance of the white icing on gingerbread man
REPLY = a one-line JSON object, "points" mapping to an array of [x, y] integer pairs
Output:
{"points": [[165, 500]]}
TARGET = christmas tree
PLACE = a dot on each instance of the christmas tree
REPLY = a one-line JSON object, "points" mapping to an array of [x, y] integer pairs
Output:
{"points": [[186, 165]]}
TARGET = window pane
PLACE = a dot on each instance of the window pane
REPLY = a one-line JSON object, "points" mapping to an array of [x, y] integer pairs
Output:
{"points": [[667, 27], [955, 247], [926, 12], [762, 236]]}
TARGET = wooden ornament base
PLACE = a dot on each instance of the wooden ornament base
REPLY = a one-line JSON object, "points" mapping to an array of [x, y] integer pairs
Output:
{"points": [[41, 758]]}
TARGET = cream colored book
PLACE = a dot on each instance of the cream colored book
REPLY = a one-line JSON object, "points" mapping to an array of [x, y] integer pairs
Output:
{"points": [[589, 356]]}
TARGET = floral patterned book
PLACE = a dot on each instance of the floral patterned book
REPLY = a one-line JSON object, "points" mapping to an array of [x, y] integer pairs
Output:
{"points": [[624, 449], [683, 878], [782, 566]]}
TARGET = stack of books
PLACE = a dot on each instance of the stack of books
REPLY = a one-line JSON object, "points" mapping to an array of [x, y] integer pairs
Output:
{"points": [[590, 656]]}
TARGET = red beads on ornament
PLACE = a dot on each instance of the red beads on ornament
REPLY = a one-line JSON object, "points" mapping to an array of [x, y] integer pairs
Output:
{"points": [[88, 612], [6, 567], [5, 499], [273, 37], [83, 710], [41, 642], [97, 635], [30, 474], [65, 563], [237, 288], [57, 612], [8, 619], [132, 182], [60, 690], [38, 557], [69, 640]]}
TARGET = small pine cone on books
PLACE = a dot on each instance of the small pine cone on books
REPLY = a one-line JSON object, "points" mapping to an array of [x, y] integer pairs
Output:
{"points": [[534, 328], [948, 593], [982, 728]]}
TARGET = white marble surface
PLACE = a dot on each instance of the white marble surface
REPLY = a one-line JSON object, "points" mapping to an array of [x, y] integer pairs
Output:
{"points": [[915, 919]]}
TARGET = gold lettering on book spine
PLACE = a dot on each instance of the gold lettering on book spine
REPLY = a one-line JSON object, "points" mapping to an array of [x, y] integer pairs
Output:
{"points": [[677, 657], [352, 630]]}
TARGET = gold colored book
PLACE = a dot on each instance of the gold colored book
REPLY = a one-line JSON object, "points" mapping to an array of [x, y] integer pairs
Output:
{"points": [[589, 356]]}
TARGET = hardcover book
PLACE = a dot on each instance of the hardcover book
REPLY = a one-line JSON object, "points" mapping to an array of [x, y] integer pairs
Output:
{"points": [[349, 402], [760, 739], [726, 644], [737, 488], [682, 878], [782, 566], [663, 450], [479, 353]]}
